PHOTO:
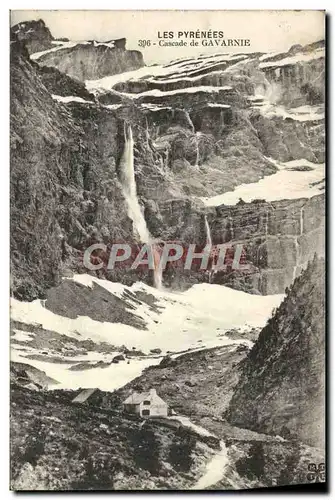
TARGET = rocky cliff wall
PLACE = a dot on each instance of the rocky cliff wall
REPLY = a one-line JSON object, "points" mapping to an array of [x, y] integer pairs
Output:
{"points": [[90, 61], [278, 238], [64, 186], [282, 387], [87, 60], [187, 144], [297, 77]]}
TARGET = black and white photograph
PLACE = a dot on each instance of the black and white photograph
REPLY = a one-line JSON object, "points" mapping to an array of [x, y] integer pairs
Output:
{"points": [[167, 250]]}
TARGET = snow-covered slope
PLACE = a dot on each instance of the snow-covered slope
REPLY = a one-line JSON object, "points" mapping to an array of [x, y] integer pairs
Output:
{"points": [[194, 319], [182, 69], [294, 179], [183, 320]]}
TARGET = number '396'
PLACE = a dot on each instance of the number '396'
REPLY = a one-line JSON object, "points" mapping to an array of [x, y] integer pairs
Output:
{"points": [[144, 43]]}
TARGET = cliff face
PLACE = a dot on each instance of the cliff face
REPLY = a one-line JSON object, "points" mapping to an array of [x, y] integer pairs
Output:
{"points": [[91, 60], [199, 131], [279, 239], [86, 60], [281, 389], [71, 193], [291, 75]]}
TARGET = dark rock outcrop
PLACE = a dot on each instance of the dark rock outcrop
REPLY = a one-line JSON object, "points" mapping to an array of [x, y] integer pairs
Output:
{"points": [[288, 139], [34, 34], [60, 84], [71, 167], [28, 376], [281, 389]]}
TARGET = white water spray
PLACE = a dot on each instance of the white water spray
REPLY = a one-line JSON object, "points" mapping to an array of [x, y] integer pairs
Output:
{"points": [[127, 173], [195, 138], [210, 244], [231, 222], [296, 244], [188, 118], [158, 272], [301, 220], [208, 233], [197, 158]]}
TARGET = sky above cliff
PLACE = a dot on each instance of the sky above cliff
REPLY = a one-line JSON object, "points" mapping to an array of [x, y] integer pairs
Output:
{"points": [[267, 30]]}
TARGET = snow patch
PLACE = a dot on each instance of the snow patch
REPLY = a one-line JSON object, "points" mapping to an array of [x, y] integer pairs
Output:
{"points": [[188, 90], [153, 107], [269, 55], [283, 185], [298, 58], [214, 105], [301, 113], [60, 46], [113, 106], [22, 336], [184, 319], [69, 98], [182, 70], [110, 44], [106, 379]]}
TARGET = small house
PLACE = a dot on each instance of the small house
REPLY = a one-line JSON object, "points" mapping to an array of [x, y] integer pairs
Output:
{"points": [[146, 404], [83, 396]]}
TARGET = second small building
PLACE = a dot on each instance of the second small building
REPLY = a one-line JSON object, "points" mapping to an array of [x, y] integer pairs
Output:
{"points": [[146, 404]]}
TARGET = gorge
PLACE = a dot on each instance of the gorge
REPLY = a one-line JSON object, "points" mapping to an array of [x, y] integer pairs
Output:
{"points": [[217, 149]]}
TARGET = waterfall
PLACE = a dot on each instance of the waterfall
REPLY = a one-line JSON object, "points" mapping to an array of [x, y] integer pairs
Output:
{"points": [[210, 244], [196, 140], [296, 244], [189, 121], [146, 131], [294, 272], [301, 220], [208, 233], [129, 187], [158, 272], [127, 174], [197, 150]]}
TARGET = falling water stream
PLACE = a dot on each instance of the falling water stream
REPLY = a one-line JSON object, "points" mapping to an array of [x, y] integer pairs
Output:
{"points": [[302, 220], [197, 158], [127, 174], [208, 233], [195, 138], [208, 244]]}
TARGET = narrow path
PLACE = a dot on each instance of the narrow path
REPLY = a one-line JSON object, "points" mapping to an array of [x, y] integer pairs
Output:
{"points": [[217, 466], [186, 422], [215, 469]]}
